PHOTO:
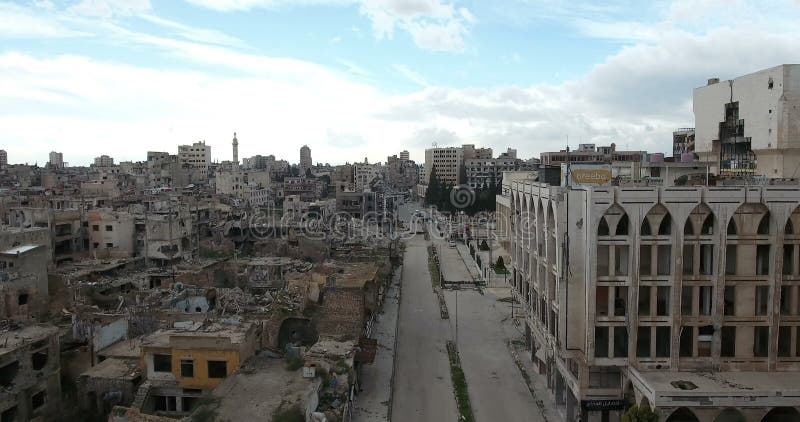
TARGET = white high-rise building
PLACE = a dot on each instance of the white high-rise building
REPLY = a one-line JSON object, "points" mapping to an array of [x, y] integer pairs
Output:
{"points": [[447, 162], [196, 155], [56, 159], [103, 161], [750, 125], [305, 160], [404, 155]]}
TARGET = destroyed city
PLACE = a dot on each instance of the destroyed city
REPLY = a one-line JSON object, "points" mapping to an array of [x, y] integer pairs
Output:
{"points": [[399, 211]]}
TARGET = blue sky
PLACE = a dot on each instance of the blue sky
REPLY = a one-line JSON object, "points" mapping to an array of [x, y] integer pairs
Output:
{"points": [[359, 79]]}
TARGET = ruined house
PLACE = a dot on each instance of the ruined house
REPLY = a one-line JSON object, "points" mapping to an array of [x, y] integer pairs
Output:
{"points": [[29, 373], [23, 282]]}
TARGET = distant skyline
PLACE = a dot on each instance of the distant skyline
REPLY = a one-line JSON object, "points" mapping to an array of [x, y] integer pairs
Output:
{"points": [[367, 78]]}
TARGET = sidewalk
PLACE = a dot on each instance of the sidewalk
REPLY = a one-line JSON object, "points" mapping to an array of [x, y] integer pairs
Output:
{"points": [[372, 404]]}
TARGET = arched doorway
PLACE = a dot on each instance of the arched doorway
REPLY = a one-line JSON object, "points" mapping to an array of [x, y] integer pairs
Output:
{"points": [[682, 415], [730, 415], [782, 414]]}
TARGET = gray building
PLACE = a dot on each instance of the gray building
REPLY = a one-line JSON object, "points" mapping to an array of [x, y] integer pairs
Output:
{"points": [[686, 299]]}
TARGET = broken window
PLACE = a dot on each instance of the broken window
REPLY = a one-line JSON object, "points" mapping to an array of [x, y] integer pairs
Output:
{"points": [[728, 342], [109, 228], [645, 260], [663, 340], [621, 260], [706, 259], [22, 299], [622, 226], [644, 301], [39, 359], [162, 363], [665, 227], [217, 369], [762, 260], [95, 228], [8, 373], [788, 259], [786, 300], [664, 259], [620, 300], [620, 342], [687, 300], [688, 259], [730, 260], [706, 299], [687, 342], [601, 301], [9, 415], [643, 342], [38, 400], [187, 368], [784, 341], [602, 260], [662, 301], [601, 342], [729, 306], [705, 334], [762, 300], [605, 377], [760, 341], [187, 403]]}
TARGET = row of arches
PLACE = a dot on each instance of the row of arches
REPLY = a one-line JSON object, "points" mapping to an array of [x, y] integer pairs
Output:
{"points": [[777, 414], [701, 222]]}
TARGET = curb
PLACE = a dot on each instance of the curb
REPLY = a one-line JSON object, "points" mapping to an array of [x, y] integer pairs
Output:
{"points": [[394, 350]]}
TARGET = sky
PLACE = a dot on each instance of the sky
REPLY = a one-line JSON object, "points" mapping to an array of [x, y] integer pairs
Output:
{"points": [[364, 79]]}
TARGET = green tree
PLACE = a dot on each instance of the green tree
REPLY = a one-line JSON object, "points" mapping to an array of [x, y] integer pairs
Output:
{"points": [[640, 414]]}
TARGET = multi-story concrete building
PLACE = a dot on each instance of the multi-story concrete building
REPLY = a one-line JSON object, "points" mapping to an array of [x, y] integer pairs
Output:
{"points": [[196, 155], [448, 163], [683, 298], [111, 233], [305, 160], [750, 125], [483, 173], [3, 158], [404, 155], [24, 289], [56, 160], [103, 161], [590, 154], [472, 153], [30, 374], [365, 173]]}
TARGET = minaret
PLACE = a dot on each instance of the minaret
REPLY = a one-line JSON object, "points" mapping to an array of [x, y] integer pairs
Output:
{"points": [[235, 149]]}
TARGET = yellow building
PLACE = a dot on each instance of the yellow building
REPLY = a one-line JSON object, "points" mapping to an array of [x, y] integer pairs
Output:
{"points": [[182, 363]]}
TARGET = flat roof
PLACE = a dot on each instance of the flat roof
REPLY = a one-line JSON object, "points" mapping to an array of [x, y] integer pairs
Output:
{"points": [[13, 339], [20, 249], [114, 369], [719, 388]]}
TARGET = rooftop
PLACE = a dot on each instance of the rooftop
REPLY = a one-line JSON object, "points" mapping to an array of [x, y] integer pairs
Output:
{"points": [[12, 339], [236, 333], [114, 369]]}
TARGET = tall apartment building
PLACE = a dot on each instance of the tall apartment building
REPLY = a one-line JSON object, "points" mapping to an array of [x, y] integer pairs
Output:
{"points": [[305, 160], [3, 158], [56, 160], [365, 173], [404, 156], [447, 161], [750, 125], [686, 299], [470, 152], [103, 161], [483, 173], [196, 155]]}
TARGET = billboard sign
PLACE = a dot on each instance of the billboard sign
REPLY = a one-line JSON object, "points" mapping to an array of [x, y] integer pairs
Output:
{"points": [[586, 175]]}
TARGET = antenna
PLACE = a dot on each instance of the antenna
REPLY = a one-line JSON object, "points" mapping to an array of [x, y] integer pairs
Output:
{"points": [[434, 144]]}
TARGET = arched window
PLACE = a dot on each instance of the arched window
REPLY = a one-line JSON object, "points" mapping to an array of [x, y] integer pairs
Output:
{"points": [[708, 225], [731, 227], [682, 415], [622, 226], [763, 226], [602, 228], [665, 227], [782, 414], [645, 230], [730, 415]]}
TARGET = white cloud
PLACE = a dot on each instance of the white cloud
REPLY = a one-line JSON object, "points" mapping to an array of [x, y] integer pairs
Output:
{"points": [[195, 34], [435, 25], [411, 75], [110, 8], [21, 22]]}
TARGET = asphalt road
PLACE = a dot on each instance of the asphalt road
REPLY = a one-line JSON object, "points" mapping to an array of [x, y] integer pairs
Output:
{"points": [[422, 390]]}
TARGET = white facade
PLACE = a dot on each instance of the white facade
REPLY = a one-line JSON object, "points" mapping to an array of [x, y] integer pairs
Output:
{"points": [[196, 155], [364, 174], [404, 155], [684, 298], [768, 106]]}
